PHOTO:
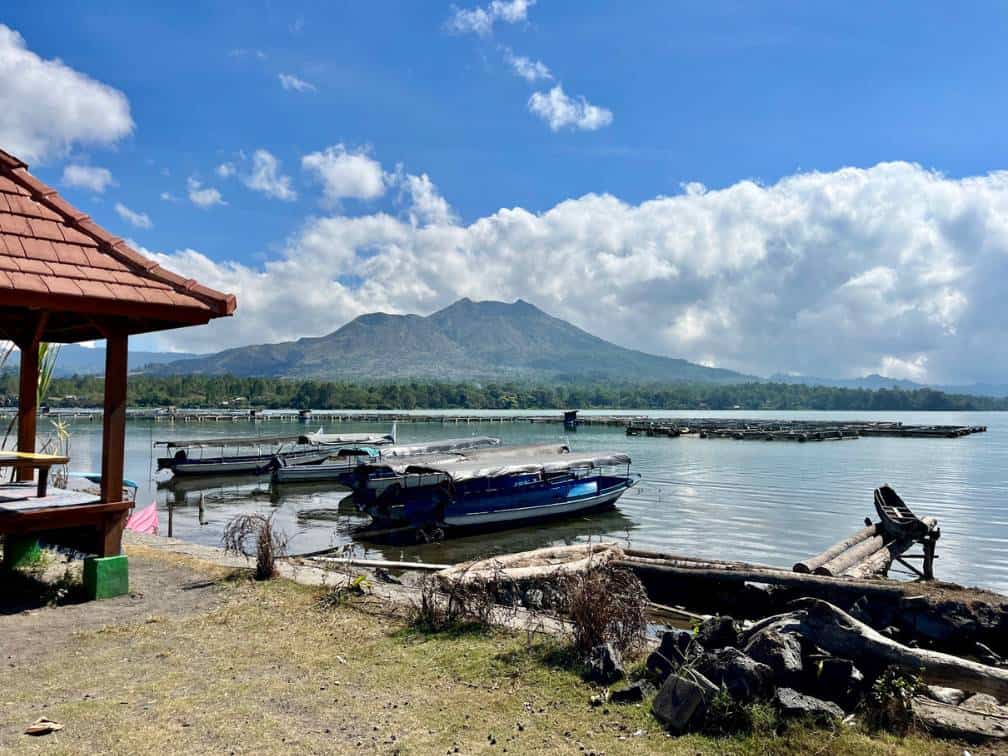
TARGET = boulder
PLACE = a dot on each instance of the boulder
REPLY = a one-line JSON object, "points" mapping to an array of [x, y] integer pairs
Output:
{"points": [[791, 703], [681, 703], [670, 654], [950, 696], [985, 704], [744, 678], [781, 652], [718, 632], [859, 611], [838, 680], [604, 665]]}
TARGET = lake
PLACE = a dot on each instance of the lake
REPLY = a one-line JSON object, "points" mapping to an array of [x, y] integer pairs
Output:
{"points": [[767, 502]]}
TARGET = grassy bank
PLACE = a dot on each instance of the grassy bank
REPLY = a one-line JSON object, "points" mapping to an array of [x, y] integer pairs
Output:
{"points": [[261, 668]]}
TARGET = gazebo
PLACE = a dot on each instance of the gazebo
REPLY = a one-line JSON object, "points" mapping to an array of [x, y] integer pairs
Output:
{"points": [[65, 279]]}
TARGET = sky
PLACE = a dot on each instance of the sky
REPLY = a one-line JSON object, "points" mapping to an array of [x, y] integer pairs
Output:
{"points": [[794, 187]]}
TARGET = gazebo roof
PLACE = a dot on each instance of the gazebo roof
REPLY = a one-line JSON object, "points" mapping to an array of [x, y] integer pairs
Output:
{"points": [[55, 259]]}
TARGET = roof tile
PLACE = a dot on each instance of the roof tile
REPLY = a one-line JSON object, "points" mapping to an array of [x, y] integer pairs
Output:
{"points": [[9, 187], [41, 249], [11, 244], [45, 229], [59, 285], [74, 236], [72, 254], [14, 224], [28, 282], [5, 281], [31, 265]]}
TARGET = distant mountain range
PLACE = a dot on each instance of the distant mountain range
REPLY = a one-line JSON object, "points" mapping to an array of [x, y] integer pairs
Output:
{"points": [[876, 381], [465, 341], [77, 360]]}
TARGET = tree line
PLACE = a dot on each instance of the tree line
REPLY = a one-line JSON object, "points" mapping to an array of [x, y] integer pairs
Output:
{"points": [[274, 393]]}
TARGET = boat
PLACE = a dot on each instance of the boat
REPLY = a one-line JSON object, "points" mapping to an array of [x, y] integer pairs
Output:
{"points": [[350, 457], [490, 493], [897, 520]]}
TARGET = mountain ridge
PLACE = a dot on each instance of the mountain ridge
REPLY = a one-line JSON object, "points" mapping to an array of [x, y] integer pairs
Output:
{"points": [[466, 340]]}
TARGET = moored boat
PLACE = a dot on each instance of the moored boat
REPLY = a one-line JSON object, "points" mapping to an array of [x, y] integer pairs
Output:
{"points": [[492, 492]]}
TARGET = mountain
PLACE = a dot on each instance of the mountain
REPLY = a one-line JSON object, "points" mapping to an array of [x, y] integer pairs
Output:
{"points": [[77, 360], [465, 341], [875, 381]]}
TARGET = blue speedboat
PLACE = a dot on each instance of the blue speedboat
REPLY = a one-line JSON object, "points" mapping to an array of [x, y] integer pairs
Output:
{"points": [[500, 492]]}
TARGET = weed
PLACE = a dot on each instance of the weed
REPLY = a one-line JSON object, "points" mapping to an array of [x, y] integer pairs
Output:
{"points": [[889, 705], [249, 534], [606, 605]]}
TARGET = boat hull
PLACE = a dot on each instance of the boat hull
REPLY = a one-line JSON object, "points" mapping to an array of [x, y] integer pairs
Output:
{"points": [[244, 465], [501, 510]]}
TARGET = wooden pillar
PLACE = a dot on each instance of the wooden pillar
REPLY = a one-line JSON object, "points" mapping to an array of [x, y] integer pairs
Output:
{"points": [[28, 401], [114, 419]]}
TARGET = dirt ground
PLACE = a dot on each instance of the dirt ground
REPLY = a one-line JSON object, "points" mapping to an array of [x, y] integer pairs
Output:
{"points": [[196, 660]]}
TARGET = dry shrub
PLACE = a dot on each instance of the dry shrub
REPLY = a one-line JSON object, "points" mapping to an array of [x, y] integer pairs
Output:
{"points": [[606, 605], [253, 534], [462, 603]]}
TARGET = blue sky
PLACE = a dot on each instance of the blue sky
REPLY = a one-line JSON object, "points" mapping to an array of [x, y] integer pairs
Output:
{"points": [[674, 94]]}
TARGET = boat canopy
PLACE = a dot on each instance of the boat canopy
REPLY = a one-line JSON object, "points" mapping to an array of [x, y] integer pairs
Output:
{"points": [[344, 439], [471, 469], [447, 445], [313, 439]]}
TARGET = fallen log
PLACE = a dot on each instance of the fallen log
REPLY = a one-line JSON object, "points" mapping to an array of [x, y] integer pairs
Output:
{"points": [[809, 565], [948, 721], [874, 565], [836, 632], [851, 556]]}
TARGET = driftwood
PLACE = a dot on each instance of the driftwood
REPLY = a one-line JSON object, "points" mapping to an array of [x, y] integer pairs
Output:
{"points": [[809, 565], [539, 564], [957, 722], [838, 633], [851, 556], [876, 564], [384, 563]]}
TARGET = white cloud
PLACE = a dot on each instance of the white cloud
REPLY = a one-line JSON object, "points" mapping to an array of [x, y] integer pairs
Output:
{"points": [[481, 20], [47, 106], [203, 196], [140, 220], [346, 174], [528, 69], [892, 269], [225, 170], [88, 177], [247, 52], [169, 197], [291, 82], [265, 177], [561, 111]]}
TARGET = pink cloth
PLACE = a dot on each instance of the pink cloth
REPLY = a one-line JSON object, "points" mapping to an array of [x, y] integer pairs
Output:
{"points": [[144, 520]]}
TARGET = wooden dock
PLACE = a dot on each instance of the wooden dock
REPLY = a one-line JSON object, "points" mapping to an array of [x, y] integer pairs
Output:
{"points": [[801, 431]]}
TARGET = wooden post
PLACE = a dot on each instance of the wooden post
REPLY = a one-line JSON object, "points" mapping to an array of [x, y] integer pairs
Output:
{"points": [[28, 402], [114, 419], [113, 441]]}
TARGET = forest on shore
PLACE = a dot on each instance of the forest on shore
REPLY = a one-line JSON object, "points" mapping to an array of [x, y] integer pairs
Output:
{"points": [[273, 393]]}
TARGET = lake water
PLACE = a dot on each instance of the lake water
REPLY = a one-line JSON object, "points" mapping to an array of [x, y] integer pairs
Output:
{"points": [[772, 503]]}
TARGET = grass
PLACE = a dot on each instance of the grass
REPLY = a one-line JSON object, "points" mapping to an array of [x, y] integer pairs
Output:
{"points": [[271, 669]]}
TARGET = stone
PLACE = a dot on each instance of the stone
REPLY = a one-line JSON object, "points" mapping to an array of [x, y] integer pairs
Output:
{"points": [[791, 703], [717, 632], [950, 696], [859, 611], [781, 652], [680, 704], [744, 678], [605, 665], [630, 694], [838, 680], [670, 654], [985, 704]]}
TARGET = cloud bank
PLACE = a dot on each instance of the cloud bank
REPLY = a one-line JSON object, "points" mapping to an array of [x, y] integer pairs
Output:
{"points": [[46, 107], [891, 268]]}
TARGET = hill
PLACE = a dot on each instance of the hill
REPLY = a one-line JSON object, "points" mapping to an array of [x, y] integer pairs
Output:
{"points": [[77, 360], [465, 341]]}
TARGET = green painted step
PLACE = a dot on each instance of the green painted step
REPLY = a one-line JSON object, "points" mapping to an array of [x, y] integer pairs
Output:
{"points": [[106, 577]]}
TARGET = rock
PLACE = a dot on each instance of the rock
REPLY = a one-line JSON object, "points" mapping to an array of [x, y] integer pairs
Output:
{"points": [[744, 678], [630, 694], [605, 665], [779, 651], [791, 703], [717, 632], [670, 654], [838, 680], [680, 704], [950, 696], [985, 704], [955, 722]]}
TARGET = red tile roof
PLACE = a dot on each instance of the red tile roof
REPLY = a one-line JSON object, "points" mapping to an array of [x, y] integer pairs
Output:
{"points": [[49, 247]]}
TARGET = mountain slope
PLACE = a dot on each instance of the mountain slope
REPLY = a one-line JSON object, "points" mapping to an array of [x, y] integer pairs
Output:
{"points": [[77, 360], [465, 341]]}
